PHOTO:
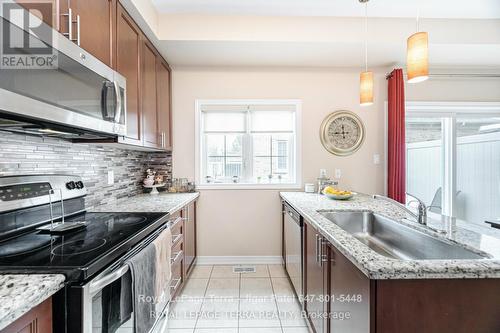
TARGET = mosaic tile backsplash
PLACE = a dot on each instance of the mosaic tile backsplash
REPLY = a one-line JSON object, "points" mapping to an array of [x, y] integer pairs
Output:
{"points": [[22, 155]]}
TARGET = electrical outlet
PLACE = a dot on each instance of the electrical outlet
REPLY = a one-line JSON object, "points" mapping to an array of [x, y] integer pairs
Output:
{"points": [[376, 158], [338, 173], [111, 177]]}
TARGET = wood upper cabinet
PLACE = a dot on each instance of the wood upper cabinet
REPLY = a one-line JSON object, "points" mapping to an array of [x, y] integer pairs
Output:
{"points": [[150, 129], [315, 280], [37, 320], [128, 63], [163, 78], [93, 26]]}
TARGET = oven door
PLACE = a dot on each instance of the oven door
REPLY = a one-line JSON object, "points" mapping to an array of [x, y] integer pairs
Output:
{"points": [[108, 304]]}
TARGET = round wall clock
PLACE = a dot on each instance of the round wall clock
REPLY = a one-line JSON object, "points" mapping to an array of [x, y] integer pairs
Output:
{"points": [[342, 133]]}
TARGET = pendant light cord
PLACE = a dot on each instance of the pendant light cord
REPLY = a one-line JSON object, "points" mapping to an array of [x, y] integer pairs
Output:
{"points": [[418, 16], [366, 36]]}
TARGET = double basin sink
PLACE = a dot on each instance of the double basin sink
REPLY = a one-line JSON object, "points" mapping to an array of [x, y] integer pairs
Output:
{"points": [[395, 240]]}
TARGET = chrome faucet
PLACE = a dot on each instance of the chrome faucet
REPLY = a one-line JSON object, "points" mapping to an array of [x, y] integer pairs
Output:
{"points": [[422, 209]]}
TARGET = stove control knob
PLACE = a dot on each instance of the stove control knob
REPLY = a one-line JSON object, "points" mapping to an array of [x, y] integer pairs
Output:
{"points": [[79, 184], [70, 185]]}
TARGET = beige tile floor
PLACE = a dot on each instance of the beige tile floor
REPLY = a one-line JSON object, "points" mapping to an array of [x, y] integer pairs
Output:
{"points": [[216, 300]]}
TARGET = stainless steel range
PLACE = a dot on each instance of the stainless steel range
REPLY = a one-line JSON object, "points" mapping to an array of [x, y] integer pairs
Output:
{"points": [[91, 256]]}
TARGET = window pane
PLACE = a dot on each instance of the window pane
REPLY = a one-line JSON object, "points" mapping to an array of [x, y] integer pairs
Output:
{"points": [[215, 144], [478, 169], [261, 144], [224, 121], [215, 167], [423, 160], [234, 166], [261, 169], [271, 121], [234, 145]]}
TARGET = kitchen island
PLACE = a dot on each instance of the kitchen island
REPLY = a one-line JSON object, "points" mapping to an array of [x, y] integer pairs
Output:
{"points": [[350, 287]]}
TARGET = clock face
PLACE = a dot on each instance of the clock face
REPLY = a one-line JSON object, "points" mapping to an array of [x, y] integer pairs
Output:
{"points": [[342, 133]]}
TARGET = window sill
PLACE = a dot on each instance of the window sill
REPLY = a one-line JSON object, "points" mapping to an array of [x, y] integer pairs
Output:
{"points": [[248, 186]]}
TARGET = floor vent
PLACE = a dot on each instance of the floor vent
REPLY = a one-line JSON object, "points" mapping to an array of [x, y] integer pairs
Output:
{"points": [[243, 269]]}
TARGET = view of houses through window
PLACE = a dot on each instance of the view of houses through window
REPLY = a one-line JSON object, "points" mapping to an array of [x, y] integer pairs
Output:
{"points": [[249, 144]]}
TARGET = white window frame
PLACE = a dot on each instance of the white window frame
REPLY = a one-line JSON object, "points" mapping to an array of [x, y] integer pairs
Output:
{"points": [[450, 111], [297, 144]]}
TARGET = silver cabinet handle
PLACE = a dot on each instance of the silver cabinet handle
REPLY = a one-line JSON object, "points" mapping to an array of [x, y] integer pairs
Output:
{"points": [[176, 285], [176, 257], [176, 238], [78, 30], [69, 34], [317, 247], [323, 257]]}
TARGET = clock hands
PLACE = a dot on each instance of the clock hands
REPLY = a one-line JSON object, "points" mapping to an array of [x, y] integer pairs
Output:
{"points": [[343, 133]]}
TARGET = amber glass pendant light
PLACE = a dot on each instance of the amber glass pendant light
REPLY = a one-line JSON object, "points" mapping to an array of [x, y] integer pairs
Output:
{"points": [[417, 56]]}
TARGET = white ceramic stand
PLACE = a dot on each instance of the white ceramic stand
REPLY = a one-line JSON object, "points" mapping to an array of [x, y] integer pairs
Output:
{"points": [[154, 190]]}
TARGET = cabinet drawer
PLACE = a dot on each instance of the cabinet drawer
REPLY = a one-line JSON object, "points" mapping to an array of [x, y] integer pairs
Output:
{"points": [[177, 278], [177, 253], [177, 229]]}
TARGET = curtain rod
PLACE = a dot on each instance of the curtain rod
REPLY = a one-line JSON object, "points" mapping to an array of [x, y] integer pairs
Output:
{"points": [[472, 75]]}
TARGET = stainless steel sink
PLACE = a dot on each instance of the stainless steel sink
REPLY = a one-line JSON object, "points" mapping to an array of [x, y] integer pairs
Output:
{"points": [[394, 240]]}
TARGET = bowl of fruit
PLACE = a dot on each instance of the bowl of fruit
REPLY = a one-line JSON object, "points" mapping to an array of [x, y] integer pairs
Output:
{"points": [[335, 194]]}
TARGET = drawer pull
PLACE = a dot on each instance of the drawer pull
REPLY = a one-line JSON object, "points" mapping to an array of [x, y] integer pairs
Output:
{"points": [[176, 285], [176, 238], [176, 257]]}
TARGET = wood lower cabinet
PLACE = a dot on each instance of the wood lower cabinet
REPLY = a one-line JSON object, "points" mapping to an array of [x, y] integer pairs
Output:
{"points": [[315, 280], [37, 320], [339, 298], [128, 63], [348, 295], [189, 215]]}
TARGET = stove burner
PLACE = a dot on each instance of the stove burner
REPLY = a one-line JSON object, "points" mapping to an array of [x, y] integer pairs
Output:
{"points": [[130, 220], [78, 247], [25, 244]]}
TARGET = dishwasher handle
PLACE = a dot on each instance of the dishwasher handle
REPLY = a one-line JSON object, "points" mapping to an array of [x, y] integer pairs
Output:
{"points": [[293, 214]]}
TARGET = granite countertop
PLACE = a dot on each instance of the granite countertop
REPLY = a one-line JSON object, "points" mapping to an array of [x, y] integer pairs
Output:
{"points": [[376, 266], [19, 293], [161, 203]]}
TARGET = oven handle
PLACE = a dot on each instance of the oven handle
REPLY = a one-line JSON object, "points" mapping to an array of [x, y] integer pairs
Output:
{"points": [[98, 285]]}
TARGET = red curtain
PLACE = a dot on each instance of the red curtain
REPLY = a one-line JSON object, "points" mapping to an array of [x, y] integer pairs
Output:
{"points": [[396, 137]]}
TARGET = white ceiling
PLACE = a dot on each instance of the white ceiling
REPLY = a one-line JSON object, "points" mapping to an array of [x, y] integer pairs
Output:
{"points": [[339, 8]]}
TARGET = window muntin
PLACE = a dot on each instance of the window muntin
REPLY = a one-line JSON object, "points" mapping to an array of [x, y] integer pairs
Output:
{"points": [[248, 144]]}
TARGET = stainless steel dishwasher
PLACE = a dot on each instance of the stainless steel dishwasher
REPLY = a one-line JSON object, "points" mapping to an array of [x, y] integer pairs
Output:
{"points": [[293, 229]]}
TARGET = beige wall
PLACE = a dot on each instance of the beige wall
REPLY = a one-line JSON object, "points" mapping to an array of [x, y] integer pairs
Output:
{"points": [[247, 222]]}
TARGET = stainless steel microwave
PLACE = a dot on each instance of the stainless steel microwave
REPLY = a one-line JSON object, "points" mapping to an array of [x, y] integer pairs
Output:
{"points": [[51, 86]]}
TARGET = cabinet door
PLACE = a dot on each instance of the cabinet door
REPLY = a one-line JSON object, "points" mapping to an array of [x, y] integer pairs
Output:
{"points": [[315, 281], [349, 301], [37, 320], [189, 213], [149, 96], [49, 10], [93, 26], [164, 104], [128, 64]]}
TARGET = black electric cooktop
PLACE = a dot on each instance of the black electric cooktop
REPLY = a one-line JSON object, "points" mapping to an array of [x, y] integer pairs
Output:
{"points": [[82, 253]]}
